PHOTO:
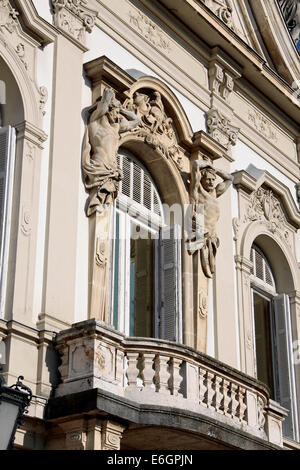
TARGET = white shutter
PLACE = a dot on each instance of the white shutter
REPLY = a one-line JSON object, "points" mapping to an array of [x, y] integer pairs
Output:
{"points": [[170, 305], [7, 153], [286, 393]]}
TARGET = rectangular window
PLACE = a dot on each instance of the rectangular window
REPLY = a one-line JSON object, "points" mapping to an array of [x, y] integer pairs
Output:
{"points": [[263, 341]]}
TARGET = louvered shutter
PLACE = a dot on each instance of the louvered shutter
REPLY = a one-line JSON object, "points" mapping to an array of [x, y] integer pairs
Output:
{"points": [[286, 378], [170, 305], [7, 151], [143, 289]]}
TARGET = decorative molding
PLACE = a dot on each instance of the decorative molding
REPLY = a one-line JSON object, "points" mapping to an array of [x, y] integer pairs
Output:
{"points": [[26, 223], [43, 98], [100, 255], [202, 304], [223, 9], [8, 16], [74, 18], [20, 50], [149, 30], [243, 179], [262, 125], [221, 81], [220, 129]]}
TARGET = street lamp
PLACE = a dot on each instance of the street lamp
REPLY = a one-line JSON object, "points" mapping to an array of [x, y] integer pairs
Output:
{"points": [[13, 404]]}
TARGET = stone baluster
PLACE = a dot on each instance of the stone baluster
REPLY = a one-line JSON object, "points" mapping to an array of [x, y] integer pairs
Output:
{"points": [[234, 402], [210, 392], [164, 374], [241, 409], [175, 377], [148, 372], [226, 397], [218, 397], [261, 413], [202, 386], [132, 370]]}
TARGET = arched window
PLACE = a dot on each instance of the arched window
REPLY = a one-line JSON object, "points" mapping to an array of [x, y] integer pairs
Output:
{"points": [[273, 338], [146, 278], [7, 160]]}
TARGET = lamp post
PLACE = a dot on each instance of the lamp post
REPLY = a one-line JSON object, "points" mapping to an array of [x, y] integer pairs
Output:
{"points": [[14, 401]]}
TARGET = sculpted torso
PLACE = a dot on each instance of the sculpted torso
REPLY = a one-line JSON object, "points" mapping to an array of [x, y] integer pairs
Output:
{"points": [[211, 210], [104, 140]]}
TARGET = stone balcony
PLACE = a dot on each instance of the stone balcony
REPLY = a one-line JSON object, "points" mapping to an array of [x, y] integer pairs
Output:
{"points": [[168, 378]]}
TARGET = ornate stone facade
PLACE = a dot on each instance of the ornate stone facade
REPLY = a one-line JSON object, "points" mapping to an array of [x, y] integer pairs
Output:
{"points": [[74, 18], [220, 129]]}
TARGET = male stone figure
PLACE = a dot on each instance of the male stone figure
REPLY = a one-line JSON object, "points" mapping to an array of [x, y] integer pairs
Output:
{"points": [[204, 195], [99, 157]]}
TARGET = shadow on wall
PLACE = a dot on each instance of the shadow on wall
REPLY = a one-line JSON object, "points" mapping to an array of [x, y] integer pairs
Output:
{"points": [[53, 362]]}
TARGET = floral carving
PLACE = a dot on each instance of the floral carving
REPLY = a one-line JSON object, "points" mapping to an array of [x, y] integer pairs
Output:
{"points": [[220, 129], [8, 16], [156, 127], [74, 17], [149, 30], [262, 125], [264, 205], [223, 9]]}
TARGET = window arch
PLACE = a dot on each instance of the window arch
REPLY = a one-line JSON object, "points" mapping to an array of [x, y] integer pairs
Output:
{"points": [[273, 338], [146, 275]]}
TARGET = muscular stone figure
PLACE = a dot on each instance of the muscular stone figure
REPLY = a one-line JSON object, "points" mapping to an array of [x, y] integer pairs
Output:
{"points": [[204, 196], [101, 141]]}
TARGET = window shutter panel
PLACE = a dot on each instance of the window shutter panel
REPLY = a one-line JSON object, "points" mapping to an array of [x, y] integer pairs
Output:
{"points": [[286, 378], [7, 151], [143, 291], [170, 308]]}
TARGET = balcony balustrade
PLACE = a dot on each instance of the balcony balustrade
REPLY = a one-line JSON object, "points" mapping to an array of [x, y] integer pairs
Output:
{"points": [[157, 372]]}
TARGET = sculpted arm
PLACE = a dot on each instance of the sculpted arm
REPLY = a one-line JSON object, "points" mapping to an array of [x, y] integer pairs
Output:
{"points": [[227, 181], [131, 122], [103, 104]]}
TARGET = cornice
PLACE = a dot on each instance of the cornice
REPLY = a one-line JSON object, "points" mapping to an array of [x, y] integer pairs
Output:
{"points": [[34, 25], [206, 25]]}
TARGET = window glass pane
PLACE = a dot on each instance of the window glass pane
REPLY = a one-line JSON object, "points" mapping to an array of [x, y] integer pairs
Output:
{"points": [[141, 282], [263, 341]]}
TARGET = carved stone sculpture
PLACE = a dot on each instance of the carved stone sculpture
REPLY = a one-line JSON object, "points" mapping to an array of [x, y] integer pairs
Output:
{"points": [[222, 8], [99, 157], [220, 129], [204, 195], [155, 126]]}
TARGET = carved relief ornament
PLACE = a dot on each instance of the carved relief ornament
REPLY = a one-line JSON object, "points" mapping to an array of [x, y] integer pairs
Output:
{"points": [[220, 129], [223, 9], [156, 127], [74, 18], [8, 16], [264, 206], [149, 30]]}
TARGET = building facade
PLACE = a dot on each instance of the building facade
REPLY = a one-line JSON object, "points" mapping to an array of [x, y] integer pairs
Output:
{"points": [[150, 242]]}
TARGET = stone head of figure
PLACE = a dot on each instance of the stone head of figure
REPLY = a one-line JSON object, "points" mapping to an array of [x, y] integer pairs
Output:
{"points": [[208, 178], [113, 109]]}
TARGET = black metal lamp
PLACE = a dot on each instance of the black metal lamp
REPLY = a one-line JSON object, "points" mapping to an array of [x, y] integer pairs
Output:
{"points": [[14, 401]]}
